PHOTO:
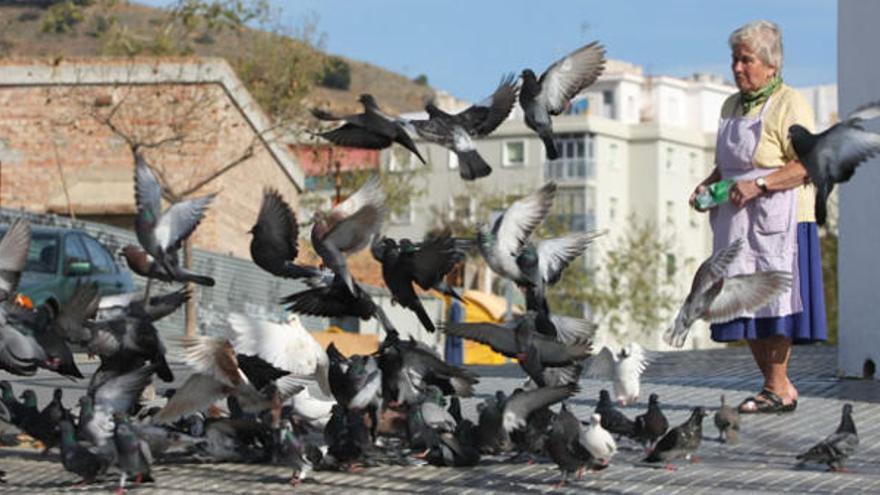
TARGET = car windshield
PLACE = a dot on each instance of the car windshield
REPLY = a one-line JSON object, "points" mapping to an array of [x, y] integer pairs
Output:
{"points": [[42, 254]]}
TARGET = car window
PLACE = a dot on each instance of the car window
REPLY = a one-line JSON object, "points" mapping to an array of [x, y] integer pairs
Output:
{"points": [[101, 259], [73, 249], [42, 254]]}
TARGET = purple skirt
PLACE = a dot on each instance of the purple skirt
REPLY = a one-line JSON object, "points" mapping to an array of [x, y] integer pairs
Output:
{"points": [[805, 327]]}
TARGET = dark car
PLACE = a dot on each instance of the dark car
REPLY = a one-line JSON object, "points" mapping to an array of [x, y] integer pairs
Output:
{"points": [[59, 259]]}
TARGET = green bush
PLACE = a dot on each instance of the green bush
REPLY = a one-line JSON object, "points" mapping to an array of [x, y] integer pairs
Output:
{"points": [[421, 80], [337, 74], [62, 17]]}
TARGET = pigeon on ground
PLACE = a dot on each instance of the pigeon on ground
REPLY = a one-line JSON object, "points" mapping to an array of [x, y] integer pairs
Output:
{"points": [[37, 423], [717, 298], [456, 449], [565, 446], [490, 438], [455, 132], [681, 441], [161, 234], [114, 396], [624, 369], [652, 425], [274, 245], [837, 447], [13, 257], [598, 441], [425, 264], [81, 460], [502, 243], [612, 419], [542, 98], [727, 422], [371, 129], [133, 454], [832, 156], [349, 227]]}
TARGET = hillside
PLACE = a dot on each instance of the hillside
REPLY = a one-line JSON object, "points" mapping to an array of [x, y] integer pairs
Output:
{"points": [[21, 35]]}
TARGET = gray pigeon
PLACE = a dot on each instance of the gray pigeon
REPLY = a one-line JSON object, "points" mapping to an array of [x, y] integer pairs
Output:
{"points": [[727, 422], [13, 257], [455, 132], [502, 243], [717, 299], [562, 81], [565, 447], [349, 227], [88, 462], [681, 441], [520, 404], [832, 156], [837, 447], [132, 453], [161, 234], [371, 129]]}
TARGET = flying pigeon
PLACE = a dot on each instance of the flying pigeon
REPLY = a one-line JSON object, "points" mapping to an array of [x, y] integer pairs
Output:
{"points": [[624, 369], [275, 235], [13, 257], [455, 132], [832, 156], [520, 404], [161, 234], [549, 95], [837, 447], [717, 298], [349, 227], [727, 422], [371, 129]]}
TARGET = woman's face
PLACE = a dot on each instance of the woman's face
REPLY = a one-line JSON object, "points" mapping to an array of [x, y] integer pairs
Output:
{"points": [[750, 73]]}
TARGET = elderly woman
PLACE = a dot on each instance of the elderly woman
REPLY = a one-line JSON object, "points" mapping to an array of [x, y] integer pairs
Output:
{"points": [[771, 208]]}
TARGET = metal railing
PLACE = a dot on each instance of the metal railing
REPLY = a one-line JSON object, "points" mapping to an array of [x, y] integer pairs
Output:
{"points": [[569, 169]]}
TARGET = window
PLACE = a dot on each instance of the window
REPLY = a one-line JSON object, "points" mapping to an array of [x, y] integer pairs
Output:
{"points": [[574, 160], [401, 159], [403, 216], [671, 267], [670, 157], [631, 110], [101, 259], [693, 164], [73, 249], [514, 153], [570, 207], [453, 160], [42, 253], [612, 208], [612, 155], [670, 212], [608, 104]]}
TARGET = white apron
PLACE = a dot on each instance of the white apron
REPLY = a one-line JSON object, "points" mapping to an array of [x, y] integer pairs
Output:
{"points": [[767, 223]]}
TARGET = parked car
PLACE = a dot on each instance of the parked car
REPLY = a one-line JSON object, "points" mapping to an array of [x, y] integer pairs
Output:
{"points": [[60, 259]]}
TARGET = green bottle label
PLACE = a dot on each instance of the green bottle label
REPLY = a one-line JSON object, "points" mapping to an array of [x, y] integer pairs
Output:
{"points": [[714, 195]]}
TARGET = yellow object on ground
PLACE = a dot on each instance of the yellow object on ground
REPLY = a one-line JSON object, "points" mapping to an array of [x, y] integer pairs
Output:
{"points": [[348, 343], [482, 307]]}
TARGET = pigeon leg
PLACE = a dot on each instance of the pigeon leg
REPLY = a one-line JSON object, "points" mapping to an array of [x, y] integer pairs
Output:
{"points": [[580, 473], [147, 293], [121, 489], [562, 481], [695, 460], [422, 455], [671, 467]]}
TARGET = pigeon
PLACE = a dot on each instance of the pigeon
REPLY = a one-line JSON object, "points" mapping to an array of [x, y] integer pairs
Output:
{"points": [[681, 441], [531, 440], [652, 425], [519, 339], [520, 404], [565, 446], [623, 369], [125, 344], [727, 422], [371, 129], [406, 263], [133, 454], [20, 354], [837, 447], [13, 257], [346, 436], [456, 449], [81, 460], [832, 156], [455, 132], [613, 420], [161, 234], [599, 441], [275, 235], [717, 298], [490, 439], [144, 264], [334, 299], [349, 227], [503, 242], [549, 95], [38, 424]]}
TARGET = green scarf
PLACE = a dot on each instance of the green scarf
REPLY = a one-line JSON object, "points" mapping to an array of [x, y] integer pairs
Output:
{"points": [[753, 99]]}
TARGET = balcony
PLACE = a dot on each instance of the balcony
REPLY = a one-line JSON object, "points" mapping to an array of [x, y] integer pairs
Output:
{"points": [[569, 169]]}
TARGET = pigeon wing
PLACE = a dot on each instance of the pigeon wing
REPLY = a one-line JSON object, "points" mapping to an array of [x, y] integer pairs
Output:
{"points": [[714, 267], [845, 147], [147, 190], [278, 225], [518, 222], [355, 136], [180, 221], [13, 254], [481, 119], [602, 365], [500, 338], [554, 255], [745, 294], [568, 76]]}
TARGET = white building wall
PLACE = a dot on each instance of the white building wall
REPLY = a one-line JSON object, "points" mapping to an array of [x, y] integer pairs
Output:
{"points": [[858, 268]]}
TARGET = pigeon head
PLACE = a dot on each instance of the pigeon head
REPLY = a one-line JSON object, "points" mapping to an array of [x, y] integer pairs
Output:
{"points": [[596, 420], [800, 139], [698, 414], [29, 398], [653, 399], [368, 101], [6, 388], [604, 396], [57, 394]]}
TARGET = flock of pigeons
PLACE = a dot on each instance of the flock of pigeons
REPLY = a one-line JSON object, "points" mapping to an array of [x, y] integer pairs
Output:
{"points": [[270, 393]]}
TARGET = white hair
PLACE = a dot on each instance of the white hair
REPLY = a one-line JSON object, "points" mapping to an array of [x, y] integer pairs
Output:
{"points": [[762, 37]]}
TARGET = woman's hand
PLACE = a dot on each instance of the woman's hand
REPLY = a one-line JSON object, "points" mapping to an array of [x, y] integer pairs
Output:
{"points": [[743, 191], [701, 187]]}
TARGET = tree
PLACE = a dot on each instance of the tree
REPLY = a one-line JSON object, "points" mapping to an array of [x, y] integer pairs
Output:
{"points": [[337, 74]]}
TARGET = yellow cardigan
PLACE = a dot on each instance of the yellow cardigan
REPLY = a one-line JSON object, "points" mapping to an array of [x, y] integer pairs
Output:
{"points": [[787, 107]]}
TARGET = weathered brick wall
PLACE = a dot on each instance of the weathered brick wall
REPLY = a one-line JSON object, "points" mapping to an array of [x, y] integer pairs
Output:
{"points": [[44, 127]]}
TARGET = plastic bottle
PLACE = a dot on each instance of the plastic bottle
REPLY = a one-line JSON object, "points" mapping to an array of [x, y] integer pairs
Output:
{"points": [[714, 195]]}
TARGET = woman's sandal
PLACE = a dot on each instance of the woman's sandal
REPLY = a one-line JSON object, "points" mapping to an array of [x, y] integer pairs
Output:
{"points": [[768, 403]]}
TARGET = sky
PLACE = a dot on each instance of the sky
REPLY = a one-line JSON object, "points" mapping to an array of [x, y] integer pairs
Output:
{"points": [[464, 47]]}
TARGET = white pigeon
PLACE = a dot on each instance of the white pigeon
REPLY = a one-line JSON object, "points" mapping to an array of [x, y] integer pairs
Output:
{"points": [[315, 411], [288, 347], [598, 441], [624, 369]]}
